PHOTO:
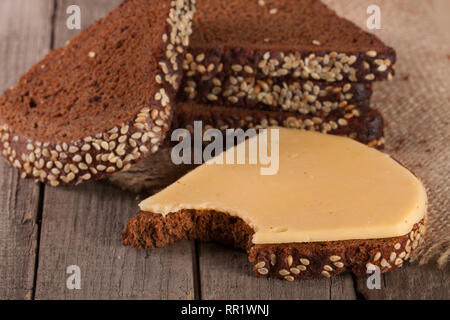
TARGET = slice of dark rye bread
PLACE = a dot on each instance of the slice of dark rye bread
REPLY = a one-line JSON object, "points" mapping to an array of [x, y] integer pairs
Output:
{"points": [[284, 38], [359, 122], [305, 97], [104, 101], [289, 261]]}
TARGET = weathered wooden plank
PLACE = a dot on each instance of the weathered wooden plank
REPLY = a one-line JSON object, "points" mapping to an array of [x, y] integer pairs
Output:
{"points": [[412, 282], [225, 273], [82, 225], [25, 29]]}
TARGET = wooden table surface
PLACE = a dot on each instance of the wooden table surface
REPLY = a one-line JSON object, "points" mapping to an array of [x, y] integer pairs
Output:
{"points": [[44, 230]]}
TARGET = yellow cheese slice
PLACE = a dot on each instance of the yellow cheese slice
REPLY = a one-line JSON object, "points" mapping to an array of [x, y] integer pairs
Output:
{"points": [[327, 188]]}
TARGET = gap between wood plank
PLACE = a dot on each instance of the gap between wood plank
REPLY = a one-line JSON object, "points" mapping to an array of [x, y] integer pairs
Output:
{"points": [[40, 209], [196, 270]]}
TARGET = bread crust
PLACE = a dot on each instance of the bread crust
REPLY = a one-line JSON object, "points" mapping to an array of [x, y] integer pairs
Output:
{"points": [[288, 261], [273, 94], [360, 122]]}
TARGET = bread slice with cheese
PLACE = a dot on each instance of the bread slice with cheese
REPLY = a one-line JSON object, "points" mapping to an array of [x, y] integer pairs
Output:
{"points": [[333, 205]]}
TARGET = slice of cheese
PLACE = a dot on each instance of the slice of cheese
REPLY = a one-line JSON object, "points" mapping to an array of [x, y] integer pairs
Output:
{"points": [[327, 188]]}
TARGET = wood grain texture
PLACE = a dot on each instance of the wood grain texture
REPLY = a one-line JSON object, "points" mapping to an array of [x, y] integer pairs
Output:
{"points": [[412, 282], [25, 29], [82, 226], [225, 273]]}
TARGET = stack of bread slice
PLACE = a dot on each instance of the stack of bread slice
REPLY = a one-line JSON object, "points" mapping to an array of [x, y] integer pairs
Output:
{"points": [[291, 63], [110, 97]]}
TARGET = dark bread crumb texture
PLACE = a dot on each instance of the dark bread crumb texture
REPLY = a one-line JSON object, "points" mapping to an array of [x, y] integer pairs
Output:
{"points": [[289, 39], [289, 261], [358, 122], [104, 101], [304, 97]]}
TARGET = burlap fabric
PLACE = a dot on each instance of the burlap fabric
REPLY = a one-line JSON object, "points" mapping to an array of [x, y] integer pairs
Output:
{"points": [[416, 106]]}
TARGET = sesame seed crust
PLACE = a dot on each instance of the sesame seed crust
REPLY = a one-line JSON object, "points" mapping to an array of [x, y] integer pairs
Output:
{"points": [[304, 97], [288, 261], [360, 122], [328, 66], [117, 149]]}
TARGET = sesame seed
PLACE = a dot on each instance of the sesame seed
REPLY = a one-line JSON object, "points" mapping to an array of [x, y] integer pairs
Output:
{"points": [[200, 57], [54, 183], [289, 260], [104, 145], [294, 270], [73, 149], [92, 54], [236, 68], [370, 266], [347, 87], [397, 246], [273, 11], [377, 256], [86, 147], [352, 60], [327, 267], [326, 274], [88, 158], [371, 53], [335, 258], [263, 271], [382, 68], [301, 267], [384, 263], [87, 176], [96, 146], [284, 272], [392, 256], [248, 69], [212, 97], [143, 149], [304, 261], [316, 43], [273, 259], [289, 278], [339, 264], [260, 265]]}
